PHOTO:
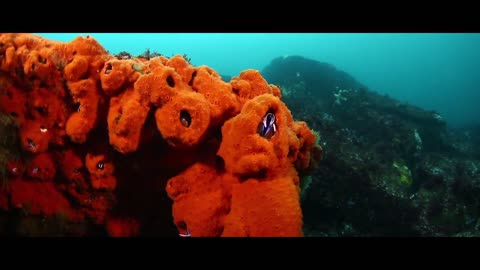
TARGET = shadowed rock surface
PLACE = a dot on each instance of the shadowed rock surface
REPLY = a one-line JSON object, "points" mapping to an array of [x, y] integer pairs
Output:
{"points": [[389, 168]]}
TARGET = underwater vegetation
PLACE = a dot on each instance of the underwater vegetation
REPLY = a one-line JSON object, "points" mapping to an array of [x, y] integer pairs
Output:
{"points": [[101, 144], [388, 168]]}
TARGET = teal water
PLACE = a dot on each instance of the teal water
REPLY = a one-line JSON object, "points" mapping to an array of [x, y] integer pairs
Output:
{"points": [[434, 71]]}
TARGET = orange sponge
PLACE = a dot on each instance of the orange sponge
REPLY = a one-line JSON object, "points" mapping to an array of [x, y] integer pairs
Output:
{"points": [[182, 67], [223, 102], [122, 227], [267, 207], [245, 150], [126, 117], [85, 95], [77, 68], [231, 150], [250, 84], [308, 154], [159, 86], [100, 165], [184, 121], [201, 200], [34, 136], [115, 74], [42, 167], [16, 168], [38, 198], [71, 165], [47, 105]]}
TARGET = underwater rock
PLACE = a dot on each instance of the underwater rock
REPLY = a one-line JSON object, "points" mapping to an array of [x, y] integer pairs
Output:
{"points": [[388, 168]]}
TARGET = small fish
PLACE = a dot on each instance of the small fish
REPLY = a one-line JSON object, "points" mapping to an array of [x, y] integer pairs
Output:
{"points": [[77, 106], [43, 129], [185, 118], [186, 234], [89, 199], [100, 165], [15, 168], [267, 128], [184, 122], [31, 144]]}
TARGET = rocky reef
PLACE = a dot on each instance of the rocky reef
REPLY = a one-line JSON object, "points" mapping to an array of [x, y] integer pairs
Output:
{"points": [[388, 168], [100, 144]]}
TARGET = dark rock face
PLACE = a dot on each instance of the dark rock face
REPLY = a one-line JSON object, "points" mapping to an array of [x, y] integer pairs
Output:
{"points": [[389, 168]]}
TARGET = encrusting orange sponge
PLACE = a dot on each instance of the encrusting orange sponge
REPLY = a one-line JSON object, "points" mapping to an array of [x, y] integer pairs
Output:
{"points": [[183, 68], [160, 85], [228, 154], [85, 94], [42, 167], [265, 207], [115, 74], [101, 168], [248, 152], [201, 196], [222, 101], [250, 84], [184, 121], [126, 117], [71, 166], [34, 137], [309, 153]]}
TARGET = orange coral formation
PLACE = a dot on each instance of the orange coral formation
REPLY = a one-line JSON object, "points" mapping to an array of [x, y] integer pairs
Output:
{"points": [[103, 136]]}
